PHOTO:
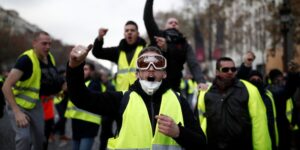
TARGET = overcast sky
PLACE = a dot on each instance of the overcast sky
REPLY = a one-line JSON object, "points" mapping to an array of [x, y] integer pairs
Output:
{"points": [[77, 21]]}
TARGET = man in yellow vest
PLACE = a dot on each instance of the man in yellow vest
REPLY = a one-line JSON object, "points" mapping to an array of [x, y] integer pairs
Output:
{"points": [[232, 113], [283, 89], [85, 125], [246, 72], [22, 90], [150, 115], [124, 55]]}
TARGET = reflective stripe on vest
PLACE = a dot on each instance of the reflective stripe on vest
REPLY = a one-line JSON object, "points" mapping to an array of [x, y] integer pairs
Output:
{"points": [[126, 71], [74, 112], [27, 89], [136, 130]]}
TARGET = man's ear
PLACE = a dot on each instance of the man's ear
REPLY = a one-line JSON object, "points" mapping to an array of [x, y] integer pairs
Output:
{"points": [[165, 75], [137, 74]]}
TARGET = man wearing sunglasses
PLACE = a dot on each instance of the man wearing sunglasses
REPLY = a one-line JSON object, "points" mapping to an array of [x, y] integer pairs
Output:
{"points": [[232, 113], [148, 115]]}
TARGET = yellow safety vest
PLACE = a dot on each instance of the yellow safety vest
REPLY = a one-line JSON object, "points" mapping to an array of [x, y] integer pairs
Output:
{"points": [[126, 72], [192, 86], [260, 135], [58, 98], [27, 92], [289, 112], [270, 95], [1, 78], [182, 84], [136, 131], [74, 112]]}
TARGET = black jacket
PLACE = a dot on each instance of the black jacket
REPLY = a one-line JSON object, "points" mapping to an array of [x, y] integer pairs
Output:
{"points": [[178, 52], [111, 104], [85, 129], [228, 119], [2, 100], [113, 53]]}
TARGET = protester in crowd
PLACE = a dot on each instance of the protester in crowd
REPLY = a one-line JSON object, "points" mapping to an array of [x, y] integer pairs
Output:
{"points": [[60, 102], [85, 125], [176, 50], [232, 113], [283, 89], [256, 78], [149, 115], [124, 55], [26, 82]]}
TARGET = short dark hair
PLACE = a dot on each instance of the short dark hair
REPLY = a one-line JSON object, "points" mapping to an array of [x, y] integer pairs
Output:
{"points": [[218, 63], [37, 34], [130, 22], [91, 65], [275, 73], [256, 73], [150, 49]]}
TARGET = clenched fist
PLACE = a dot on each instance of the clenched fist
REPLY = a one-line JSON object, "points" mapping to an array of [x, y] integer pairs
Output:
{"points": [[78, 55]]}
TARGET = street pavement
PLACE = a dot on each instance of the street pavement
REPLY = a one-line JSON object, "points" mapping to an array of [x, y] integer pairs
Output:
{"points": [[7, 137]]}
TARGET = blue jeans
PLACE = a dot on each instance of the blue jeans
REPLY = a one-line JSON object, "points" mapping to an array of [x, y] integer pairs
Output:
{"points": [[83, 144]]}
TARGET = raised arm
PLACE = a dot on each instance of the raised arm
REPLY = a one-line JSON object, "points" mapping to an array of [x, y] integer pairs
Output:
{"points": [[101, 103], [150, 24], [194, 65], [246, 66], [109, 53]]}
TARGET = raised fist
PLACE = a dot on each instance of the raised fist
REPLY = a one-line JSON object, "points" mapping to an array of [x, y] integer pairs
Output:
{"points": [[78, 55], [102, 33]]}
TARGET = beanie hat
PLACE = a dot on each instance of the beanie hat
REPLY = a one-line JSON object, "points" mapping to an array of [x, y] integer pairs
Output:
{"points": [[274, 73], [255, 73]]}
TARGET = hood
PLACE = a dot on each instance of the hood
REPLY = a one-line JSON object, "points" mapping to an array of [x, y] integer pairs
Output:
{"points": [[124, 46]]}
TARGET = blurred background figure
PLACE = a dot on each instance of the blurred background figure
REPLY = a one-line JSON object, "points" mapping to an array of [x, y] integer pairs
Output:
{"points": [[85, 125], [174, 46]]}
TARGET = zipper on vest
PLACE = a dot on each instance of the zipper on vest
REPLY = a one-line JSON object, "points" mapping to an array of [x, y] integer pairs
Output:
{"points": [[152, 115]]}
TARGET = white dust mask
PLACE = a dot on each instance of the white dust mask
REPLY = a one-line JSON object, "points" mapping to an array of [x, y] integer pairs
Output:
{"points": [[150, 87]]}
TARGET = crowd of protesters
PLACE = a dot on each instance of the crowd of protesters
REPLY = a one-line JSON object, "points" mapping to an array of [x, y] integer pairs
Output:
{"points": [[149, 103]]}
